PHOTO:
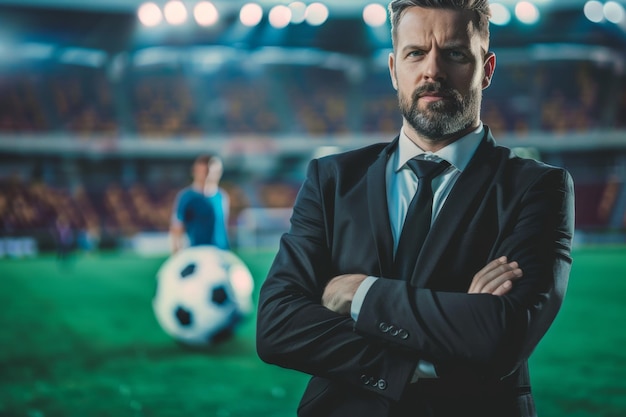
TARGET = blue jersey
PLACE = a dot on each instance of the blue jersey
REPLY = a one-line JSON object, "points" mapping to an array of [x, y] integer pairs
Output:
{"points": [[203, 218], [219, 201]]}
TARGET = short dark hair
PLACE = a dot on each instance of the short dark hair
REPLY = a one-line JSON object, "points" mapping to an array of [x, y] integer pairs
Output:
{"points": [[481, 10]]}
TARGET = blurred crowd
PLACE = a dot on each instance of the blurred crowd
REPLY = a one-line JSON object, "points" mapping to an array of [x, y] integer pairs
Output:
{"points": [[100, 217], [171, 102], [554, 96]]}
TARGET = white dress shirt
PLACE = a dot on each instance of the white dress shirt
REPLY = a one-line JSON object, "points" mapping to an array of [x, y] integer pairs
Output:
{"points": [[402, 184]]}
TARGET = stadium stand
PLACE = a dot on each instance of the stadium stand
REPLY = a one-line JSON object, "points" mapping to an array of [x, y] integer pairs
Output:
{"points": [[82, 101], [107, 141], [558, 97], [162, 104], [20, 106]]}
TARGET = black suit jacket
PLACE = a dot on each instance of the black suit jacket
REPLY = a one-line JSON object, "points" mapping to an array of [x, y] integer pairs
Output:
{"points": [[479, 343]]}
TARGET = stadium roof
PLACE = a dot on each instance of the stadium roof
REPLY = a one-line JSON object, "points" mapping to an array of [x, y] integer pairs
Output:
{"points": [[112, 26], [348, 5]]}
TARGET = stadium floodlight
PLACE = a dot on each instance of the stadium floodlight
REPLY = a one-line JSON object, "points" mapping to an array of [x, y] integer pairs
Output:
{"points": [[594, 11], [374, 15], [316, 14], [206, 13], [500, 15], [279, 16], [526, 12], [250, 14], [175, 12], [149, 14], [614, 12], [298, 12]]}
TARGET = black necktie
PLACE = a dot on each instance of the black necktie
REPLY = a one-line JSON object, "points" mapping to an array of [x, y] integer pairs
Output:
{"points": [[418, 216]]}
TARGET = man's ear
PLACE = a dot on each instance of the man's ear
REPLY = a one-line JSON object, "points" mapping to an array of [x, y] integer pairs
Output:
{"points": [[489, 68], [392, 71]]}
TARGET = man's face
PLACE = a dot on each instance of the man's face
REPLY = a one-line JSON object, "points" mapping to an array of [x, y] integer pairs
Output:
{"points": [[210, 172], [439, 70], [200, 171]]}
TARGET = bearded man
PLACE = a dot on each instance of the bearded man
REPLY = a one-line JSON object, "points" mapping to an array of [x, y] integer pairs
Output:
{"points": [[418, 275]]}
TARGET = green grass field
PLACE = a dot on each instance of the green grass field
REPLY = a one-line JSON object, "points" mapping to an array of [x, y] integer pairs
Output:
{"points": [[81, 341]]}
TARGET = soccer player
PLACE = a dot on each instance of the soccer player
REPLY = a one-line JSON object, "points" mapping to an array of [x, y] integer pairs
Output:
{"points": [[201, 209]]}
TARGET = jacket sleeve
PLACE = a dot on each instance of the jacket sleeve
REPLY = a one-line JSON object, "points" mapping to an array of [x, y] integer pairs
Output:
{"points": [[480, 334], [295, 331]]}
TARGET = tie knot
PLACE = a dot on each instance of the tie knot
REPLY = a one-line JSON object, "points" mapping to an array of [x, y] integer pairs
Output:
{"points": [[427, 169]]}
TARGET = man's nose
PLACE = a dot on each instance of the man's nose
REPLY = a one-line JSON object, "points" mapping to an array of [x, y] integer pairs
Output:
{"points": [[435, 67]]}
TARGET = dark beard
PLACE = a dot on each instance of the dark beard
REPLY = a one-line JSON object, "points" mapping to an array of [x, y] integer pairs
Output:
{"points": [[443, 118]]}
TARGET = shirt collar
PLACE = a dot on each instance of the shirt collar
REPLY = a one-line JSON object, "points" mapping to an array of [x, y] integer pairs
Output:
{"points": [[458, 153]]}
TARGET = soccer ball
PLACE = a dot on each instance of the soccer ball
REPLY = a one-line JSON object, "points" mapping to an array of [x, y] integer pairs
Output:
{"points": [[202, 294]]}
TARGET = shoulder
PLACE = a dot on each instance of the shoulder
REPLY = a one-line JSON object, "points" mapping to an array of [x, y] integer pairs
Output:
{"points": [[524, 171], [182, 192], [184, 195], [506, 162], [514, 175]]}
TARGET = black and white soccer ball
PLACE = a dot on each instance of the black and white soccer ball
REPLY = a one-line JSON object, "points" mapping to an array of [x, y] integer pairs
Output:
{"points": [[202, 294]]}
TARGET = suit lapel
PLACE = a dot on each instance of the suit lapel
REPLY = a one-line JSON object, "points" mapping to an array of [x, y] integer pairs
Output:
{"points": [[466, 195], [378, 210]]}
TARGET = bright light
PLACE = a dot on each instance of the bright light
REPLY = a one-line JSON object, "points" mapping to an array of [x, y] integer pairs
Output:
{"points": [[175, 12], [280, 16], [594, 11], [149, 14], [298, 12], [374, 15], [500, 15], [527, 12], [614, 12], [316, 14], [251, 14], [206, 14]]}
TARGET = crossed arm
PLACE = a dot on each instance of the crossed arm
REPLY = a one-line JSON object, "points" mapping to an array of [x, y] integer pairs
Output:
{"points": [[495, 278], [486, 334]]}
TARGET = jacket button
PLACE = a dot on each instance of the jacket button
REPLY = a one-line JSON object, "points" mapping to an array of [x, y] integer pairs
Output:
{"points": [[384, 327], [393, 331], [403, 334], [364, 379], [381, 384]]}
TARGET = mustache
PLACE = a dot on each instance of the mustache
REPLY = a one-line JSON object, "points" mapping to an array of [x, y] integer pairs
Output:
{"points": [[434, 88]]}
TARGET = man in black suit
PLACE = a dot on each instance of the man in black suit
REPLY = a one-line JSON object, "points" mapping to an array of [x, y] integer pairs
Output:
{"points": [[390, 323]]}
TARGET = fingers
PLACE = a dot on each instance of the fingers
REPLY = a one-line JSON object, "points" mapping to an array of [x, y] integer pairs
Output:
{"points": [[339, 292], [506, 272], [479, 279], [504, 288], [496, 277]]}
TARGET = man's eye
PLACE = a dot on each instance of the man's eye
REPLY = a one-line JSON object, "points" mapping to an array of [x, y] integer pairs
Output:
{"points": [[457, 55], [416, 53]]}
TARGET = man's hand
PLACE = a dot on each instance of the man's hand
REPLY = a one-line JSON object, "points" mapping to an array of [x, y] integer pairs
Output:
{"points": [[496, 277], [339, 292]]}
